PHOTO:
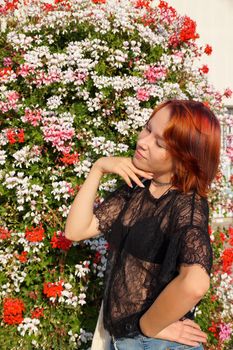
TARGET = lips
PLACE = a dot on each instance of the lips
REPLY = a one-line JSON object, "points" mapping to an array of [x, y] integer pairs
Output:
{"points": [[140, 153]]}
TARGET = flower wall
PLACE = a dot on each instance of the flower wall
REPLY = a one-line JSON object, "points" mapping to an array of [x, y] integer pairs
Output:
{"points": [[78, 80]]}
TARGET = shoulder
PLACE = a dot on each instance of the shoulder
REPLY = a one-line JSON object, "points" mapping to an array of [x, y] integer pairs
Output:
{"points": [[189, 198], [191, 209]]}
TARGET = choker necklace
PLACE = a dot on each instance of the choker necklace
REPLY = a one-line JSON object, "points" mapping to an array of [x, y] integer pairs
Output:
{"points": [[158, 183]]}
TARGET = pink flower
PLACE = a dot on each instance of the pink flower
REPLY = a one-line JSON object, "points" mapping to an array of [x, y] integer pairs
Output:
{"points": [[57, 135], [7, 61], [152, 74], [225, 331], [33, 117], [143, 95], [53, 76], [13, 96], [228, 92], [25, 70]]}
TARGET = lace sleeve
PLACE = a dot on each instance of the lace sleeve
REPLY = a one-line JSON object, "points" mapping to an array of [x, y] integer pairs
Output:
{"points": [[196, 249], [109, 209], [192, 223]]}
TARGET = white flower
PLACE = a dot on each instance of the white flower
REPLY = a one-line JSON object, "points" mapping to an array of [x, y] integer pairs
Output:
{"points": [[54, 102], [82, 270], [28, 325], [2, 157]]}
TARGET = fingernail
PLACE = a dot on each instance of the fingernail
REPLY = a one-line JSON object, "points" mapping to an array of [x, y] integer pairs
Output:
{"points": [[142, 185]]}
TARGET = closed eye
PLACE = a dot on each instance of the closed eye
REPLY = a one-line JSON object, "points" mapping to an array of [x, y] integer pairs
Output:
{"points": [[159, 145], [147, 128]]}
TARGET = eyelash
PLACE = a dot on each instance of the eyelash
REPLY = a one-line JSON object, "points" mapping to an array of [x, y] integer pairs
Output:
{"points": [[150, 131]]}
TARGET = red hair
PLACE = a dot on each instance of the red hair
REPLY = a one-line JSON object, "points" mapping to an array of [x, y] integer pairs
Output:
{"points": [[193, 138]]}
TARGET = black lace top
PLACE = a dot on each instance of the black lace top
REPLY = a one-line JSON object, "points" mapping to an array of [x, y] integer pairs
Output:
{"points": [[149, 238]]}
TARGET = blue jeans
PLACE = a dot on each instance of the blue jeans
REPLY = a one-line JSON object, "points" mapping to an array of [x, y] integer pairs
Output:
{"points": [[141, 342]]}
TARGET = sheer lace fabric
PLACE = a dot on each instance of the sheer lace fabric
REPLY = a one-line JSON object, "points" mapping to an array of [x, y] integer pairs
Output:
{"points": [[149, 239]]}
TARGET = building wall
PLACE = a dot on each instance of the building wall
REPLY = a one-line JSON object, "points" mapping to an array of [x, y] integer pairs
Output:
{"points": [[214, 20]]}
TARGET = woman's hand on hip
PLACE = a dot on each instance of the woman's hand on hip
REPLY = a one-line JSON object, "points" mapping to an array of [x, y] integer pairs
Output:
{"points": [[186, 332], [124, 167]]}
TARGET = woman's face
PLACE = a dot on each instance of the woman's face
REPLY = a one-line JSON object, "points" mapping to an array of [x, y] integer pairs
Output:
{"points": [[154, 155]]}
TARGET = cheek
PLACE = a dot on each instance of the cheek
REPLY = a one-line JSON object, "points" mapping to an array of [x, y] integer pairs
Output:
{"points": [[163, 155], [141, 134]]}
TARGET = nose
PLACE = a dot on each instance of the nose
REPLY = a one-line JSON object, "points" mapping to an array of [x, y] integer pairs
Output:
{"points": [[144, 141]]}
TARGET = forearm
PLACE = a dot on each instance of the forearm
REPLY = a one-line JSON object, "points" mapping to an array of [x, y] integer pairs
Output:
{"points": [[173, 302], [81, 210]]}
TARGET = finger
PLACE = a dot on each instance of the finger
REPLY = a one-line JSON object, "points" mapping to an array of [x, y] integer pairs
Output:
{"points": [[134, 177], [191, 339], [146, 174], [188, 342], [194, 334], [194, 330], [140, 172], [191, 323], [125, 177]]}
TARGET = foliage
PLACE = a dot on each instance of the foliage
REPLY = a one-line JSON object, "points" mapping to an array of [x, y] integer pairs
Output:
{"points": [[78, 79]]}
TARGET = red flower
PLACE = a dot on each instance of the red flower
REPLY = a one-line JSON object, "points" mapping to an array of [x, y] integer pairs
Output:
{"points": [[48, 7], [14, 136], [168, 13], [230, 231], [147, 20], [206, 103], [21, 135], [143, 3], [69, 158], [209, 230], [204, 69], [37, 312], [186, 33], [35, 234], [222, 237], [4, 233], [213, 297], [188, 30], [11, 136], [9, 6], [12, 310], [22, 257], [227, 258], [60, 241], [213, 329], [97, 258], [208, 49], [53, 289], [5, 71], [99, 1], [163, 5]]}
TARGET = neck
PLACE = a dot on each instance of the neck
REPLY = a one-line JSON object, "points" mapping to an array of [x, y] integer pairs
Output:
{"points": [[160, 183]]}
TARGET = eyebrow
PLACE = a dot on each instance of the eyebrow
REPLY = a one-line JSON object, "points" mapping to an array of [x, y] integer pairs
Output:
{"points": [[158, 136]]}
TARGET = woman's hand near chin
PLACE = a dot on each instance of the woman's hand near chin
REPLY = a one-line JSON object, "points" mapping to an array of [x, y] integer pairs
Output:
{"points": [[186, 332]]}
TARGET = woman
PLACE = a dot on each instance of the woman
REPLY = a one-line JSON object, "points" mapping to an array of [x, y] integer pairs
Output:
{"points": [[160, 256]]}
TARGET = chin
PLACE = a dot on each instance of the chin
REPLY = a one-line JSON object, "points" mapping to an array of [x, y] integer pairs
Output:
{"points": [[139, 164]]}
